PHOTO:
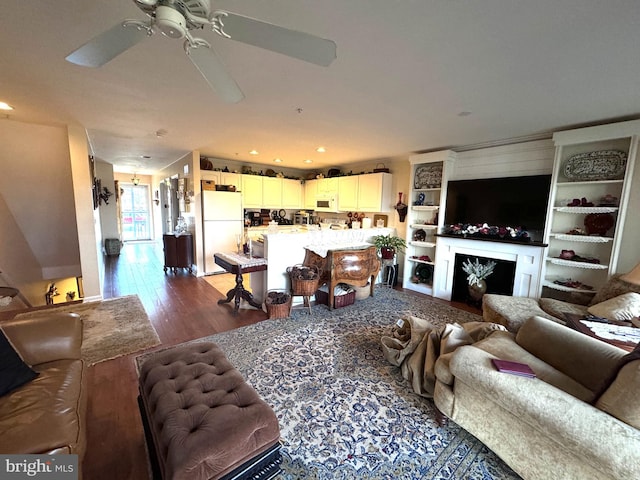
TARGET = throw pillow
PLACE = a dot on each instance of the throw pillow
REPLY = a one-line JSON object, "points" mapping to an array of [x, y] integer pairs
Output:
{"points": [[622, 307], [615, 286], [621, 398], [13, 371]]}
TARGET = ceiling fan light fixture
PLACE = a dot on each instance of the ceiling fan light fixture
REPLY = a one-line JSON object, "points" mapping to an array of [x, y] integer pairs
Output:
{"points": [[171, 22], [151, 3]]}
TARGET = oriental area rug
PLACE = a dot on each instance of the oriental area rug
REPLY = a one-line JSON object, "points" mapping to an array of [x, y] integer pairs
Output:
{"points": [[344, 411], [111, 328]]}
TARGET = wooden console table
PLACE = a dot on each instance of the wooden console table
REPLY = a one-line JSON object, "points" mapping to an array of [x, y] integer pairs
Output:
{"points": [[355, 266], [239, 264], [178, 251]]}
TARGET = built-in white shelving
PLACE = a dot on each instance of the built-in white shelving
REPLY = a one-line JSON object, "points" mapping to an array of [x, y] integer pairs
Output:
{"points": [[425, 217], [583, 199]]}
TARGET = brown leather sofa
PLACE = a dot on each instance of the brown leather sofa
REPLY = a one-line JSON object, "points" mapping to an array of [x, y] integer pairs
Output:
{"points": [[46, 415]]}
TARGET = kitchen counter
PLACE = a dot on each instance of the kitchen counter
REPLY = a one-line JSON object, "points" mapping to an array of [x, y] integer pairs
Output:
{"points": [[285, 249]]}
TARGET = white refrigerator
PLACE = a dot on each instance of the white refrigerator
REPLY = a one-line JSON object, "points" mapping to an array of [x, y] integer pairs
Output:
{"points": [[223, 220]]}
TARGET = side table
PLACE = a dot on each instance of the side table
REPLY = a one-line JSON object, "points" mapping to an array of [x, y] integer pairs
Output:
{"points": [[573, 321], [239, 264], [178, 251]]}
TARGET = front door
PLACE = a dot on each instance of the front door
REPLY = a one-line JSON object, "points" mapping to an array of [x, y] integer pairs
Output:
{"points": [[136, 215]]}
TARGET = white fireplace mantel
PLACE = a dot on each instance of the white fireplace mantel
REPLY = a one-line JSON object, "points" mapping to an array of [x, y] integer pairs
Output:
{"points": [[528, 259]]}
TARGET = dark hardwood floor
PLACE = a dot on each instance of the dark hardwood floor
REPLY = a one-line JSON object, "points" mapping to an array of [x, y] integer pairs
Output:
{"points": [[181, 307]]}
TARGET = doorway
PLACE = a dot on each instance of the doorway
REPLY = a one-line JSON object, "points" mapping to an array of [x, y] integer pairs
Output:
{"points": [[136, 212]]}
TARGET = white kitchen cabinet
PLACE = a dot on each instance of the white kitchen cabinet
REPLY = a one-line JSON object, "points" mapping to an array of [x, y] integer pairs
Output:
{"points": [[310, 194], [210, 175], [348, 193], [426, 200], [271, 192], [595, 164], [230, 178], [327, 186], [374, 192], [370, 192], [251, 191], [291, 193], [222, 178]]}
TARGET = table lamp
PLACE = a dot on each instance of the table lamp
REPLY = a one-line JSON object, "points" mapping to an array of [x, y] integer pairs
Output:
{"points": [[633, 276]]}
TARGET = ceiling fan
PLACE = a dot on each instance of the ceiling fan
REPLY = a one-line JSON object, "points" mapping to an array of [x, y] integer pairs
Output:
{"points": [[177, 18]]}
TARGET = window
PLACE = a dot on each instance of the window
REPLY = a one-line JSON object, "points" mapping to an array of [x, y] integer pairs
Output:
{"points": [[136, 217]]}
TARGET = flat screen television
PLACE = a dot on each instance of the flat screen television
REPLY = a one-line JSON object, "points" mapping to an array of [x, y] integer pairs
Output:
{"points": [[502, 202]]}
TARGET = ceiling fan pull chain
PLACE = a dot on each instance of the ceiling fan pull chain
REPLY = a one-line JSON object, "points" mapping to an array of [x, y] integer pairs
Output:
{"points": [[217, 25]]}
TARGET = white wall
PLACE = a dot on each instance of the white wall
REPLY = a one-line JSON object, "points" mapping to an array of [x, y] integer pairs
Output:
{"points": [[88, 220], [36, 184], [520, 159], [108, 214], [19, 267]]}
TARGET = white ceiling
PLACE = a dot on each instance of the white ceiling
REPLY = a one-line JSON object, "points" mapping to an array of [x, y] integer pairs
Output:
{"points": [[404, 72]]}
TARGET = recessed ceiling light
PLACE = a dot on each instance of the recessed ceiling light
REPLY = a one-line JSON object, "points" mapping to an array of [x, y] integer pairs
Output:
{"points": [[5, 106], [253, 152], [464, 114], [277, 160], [146, 157], [321, 150], [308, 160]]}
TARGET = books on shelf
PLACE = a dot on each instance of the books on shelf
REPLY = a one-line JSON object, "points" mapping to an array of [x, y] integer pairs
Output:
{"points": [[513, 368]]}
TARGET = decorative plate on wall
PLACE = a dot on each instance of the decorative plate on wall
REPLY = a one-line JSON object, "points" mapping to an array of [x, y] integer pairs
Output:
{"points": [[601, 165], [428, 176]]}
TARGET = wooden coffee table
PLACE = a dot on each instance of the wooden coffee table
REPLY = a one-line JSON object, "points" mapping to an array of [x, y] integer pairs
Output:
{"points": [[573, 321]]}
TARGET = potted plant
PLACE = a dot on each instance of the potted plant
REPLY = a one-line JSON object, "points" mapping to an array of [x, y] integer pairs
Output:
{"points": [[388, 245]]}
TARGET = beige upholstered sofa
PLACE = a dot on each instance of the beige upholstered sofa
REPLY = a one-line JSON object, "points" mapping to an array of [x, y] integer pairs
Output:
{"points": [[579, 419], [512, 312]]}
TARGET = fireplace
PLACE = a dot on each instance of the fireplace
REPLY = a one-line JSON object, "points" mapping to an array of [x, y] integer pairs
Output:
{"points": [[500, 281], [521, 261]]}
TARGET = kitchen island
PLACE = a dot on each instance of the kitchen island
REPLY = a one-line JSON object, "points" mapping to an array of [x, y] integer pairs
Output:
{"points": [[283, 250]]}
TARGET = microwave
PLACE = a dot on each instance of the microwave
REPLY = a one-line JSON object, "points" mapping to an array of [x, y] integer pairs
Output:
{"points": [[327, 203]]}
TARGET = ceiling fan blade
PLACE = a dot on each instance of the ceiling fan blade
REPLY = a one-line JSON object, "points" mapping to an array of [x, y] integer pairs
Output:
{"points": [[212, 69], [108, 45], [292, 43]]}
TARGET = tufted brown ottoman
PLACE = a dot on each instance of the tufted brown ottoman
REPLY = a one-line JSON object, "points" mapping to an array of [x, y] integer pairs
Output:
{"points": [[205, 421]]}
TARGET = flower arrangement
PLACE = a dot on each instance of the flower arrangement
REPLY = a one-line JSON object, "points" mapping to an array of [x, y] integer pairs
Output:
{"points": [[477, 271], [486, 231]]}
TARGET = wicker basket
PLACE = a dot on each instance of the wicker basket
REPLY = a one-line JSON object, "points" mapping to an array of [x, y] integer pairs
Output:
{"points": [[278, 310], [304, 286], [339, 301], [112, 246]]}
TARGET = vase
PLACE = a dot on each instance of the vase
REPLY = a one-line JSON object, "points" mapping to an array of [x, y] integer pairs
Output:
{"points": [[401, 207], [477, 290]]}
